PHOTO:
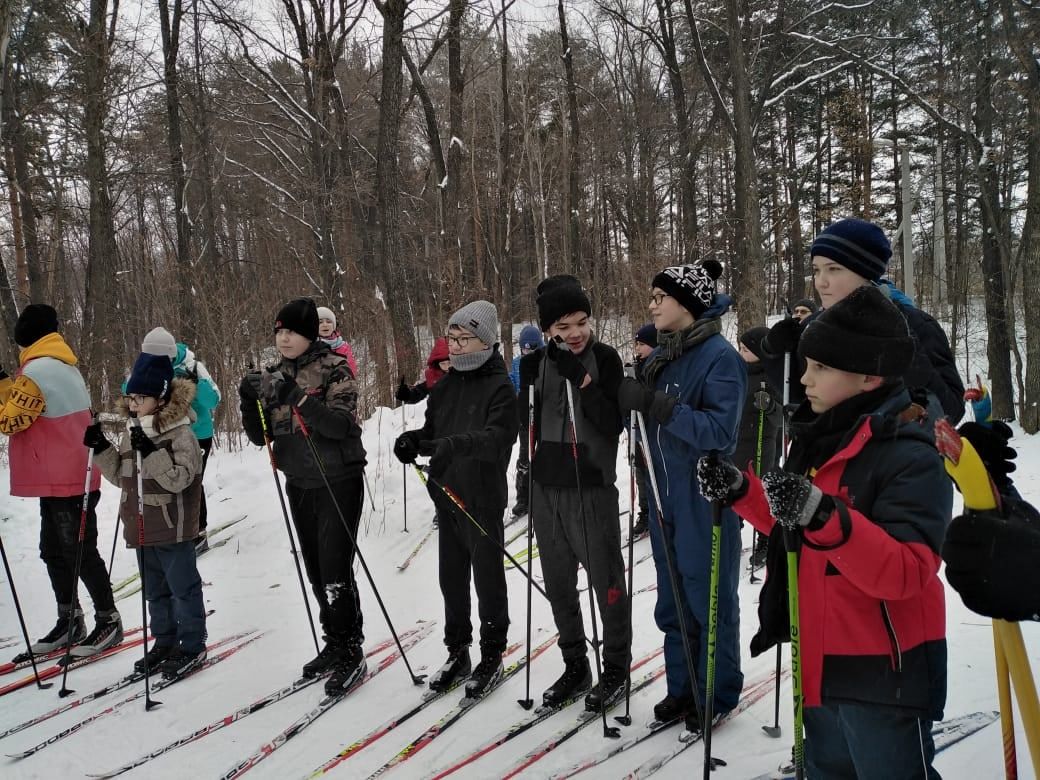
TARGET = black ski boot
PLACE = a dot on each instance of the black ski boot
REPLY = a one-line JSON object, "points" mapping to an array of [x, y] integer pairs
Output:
{"points": [[323, 661], [107, 632], [455, 669], [575, 680], [609, 690], [179, 662], [672, 708], [156, 656], [485, 676], [55, 638], [348, 670]]}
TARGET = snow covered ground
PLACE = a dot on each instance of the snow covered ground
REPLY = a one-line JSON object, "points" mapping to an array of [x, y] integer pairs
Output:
{"points": [[251, 583]]}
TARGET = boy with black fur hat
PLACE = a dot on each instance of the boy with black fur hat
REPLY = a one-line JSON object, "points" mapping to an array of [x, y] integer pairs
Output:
{"points": [[561, 514], [867, 493], [311, 394], [158, 435], [690, 394], [468, 433], [758, 441], [44, 410]]}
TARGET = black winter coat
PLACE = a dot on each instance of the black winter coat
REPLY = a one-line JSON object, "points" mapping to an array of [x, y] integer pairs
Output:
{"points": [[477, 409]]}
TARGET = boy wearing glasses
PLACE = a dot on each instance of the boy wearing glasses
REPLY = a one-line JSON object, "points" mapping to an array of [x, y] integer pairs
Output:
{"points": [[44, 410], [563, 514], [158, 430], [310, 394], [691, 392], [468, 435]]}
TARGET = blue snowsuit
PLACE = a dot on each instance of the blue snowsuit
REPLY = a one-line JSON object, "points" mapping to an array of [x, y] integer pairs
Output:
{"points": [[710, 381]]}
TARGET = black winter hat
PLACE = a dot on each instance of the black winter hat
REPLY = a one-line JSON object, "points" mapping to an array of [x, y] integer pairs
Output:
{"points": [[808, 303], [151, 375], [647, 335], [692, 285], [36, 321], [752, 339], [559, 296], [864, 333], [301, 316], [860, 246]]}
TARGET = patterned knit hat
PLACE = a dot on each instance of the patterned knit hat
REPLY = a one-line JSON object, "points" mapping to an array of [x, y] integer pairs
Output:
{"points": [[693, 286]]}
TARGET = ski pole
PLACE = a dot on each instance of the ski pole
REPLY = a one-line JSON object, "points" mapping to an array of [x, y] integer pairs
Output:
{"points": [[417, 679], [608, 731], [713, 624], [527, 702], [425, 477], [626, 719], [21, 619], [149, 702], [65, 690], [680, 604], [404, 474], [288, 525], [758, 473], [792, 541], [112, 555]]}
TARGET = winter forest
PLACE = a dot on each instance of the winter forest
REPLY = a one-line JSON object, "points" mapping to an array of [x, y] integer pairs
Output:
{"points": [[196, 163]]}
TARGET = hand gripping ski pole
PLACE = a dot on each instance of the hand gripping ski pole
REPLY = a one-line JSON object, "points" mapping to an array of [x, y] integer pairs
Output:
{"points": [[65, 690], [417, 679], [288, 525]]}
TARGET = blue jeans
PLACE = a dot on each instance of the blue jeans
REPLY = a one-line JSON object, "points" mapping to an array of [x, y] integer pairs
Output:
{"points": [[850, 741], [173, 588]]}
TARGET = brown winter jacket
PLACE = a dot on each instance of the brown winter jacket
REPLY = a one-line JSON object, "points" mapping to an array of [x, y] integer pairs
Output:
{"points": [[172, 475]]}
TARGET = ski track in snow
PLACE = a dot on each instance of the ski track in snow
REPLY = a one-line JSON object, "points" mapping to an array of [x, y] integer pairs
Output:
{"points": [[254, 586]]}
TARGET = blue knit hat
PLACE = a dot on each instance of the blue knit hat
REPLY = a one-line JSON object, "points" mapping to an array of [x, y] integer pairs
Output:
{"points": [[530, 338], [151, 375], [647, 335], [860, 246]]}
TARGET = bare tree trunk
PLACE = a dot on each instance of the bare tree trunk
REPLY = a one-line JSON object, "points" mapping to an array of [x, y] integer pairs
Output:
{"points": [[506, 262], [573, 148], [387, 179]]}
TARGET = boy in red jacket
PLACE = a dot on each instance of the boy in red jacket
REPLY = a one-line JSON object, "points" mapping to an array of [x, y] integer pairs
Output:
{"points": [[866, 491]]}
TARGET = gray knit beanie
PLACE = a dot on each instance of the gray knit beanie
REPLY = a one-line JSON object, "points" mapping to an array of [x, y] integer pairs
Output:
{"points": [[159, 341], [480, 318]]}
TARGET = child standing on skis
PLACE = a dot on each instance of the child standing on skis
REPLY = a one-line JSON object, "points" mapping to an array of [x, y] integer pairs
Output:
{"points": [[310, 394], [159, 437], [44, 410], [562, 514], [690, 394], [468, 433], [865, 491]]}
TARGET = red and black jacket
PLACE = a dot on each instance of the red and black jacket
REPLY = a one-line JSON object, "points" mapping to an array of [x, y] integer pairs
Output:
{"points": [[871, 605]]}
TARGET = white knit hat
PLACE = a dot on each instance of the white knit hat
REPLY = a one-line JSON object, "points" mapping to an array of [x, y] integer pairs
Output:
{"points": [[325, 313], [480, 318], [159, 341]]}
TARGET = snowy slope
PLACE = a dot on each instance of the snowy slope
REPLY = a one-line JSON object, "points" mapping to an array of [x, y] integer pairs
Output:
{"points": [[251, 583]]}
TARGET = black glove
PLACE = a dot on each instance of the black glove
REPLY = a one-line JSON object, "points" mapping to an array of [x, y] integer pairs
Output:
{"points": [[796, 502], [284, 389], [634, 397], [139, 441], [95, 439], [440, 452], [993, 561], [404, 392], [406, 448], [991, 442], [720, 480], [763, 400], [249, 387], [783, 337], [567, 363], [528, 371]]}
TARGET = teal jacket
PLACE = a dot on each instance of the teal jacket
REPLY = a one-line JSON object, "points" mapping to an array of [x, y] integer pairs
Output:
{"points": [[207, 394]]}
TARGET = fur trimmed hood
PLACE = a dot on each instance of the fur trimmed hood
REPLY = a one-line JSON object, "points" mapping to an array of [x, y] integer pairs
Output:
{"points": [[178, 408]]}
